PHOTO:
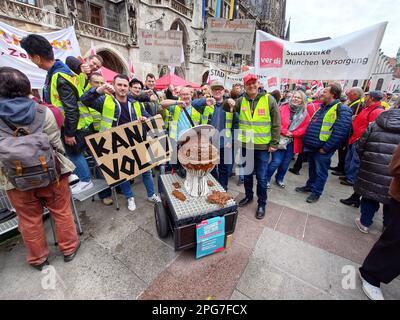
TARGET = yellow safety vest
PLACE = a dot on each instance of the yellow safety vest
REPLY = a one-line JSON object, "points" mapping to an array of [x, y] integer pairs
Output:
{"points": [[81, 78], [95, 114], [356, 102], [327, 123], [257, 126], [208, 113], [85, 118], [385, 105], [108, 113], [196, 117]]}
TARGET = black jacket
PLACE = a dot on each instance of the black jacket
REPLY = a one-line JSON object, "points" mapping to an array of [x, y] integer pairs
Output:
{"points": [[376, 148], [74, 64]]}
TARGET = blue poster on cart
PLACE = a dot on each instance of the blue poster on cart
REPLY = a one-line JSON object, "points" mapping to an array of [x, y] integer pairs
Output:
{"points": [[210, 235]]}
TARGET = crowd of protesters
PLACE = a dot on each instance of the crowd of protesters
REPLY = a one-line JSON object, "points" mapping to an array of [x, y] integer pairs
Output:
{"points": [[273, 128]]}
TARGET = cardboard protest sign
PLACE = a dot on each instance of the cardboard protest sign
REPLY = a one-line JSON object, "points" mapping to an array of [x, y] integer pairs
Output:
{"points": [[160, 47], [129, 150], [234, 36]]}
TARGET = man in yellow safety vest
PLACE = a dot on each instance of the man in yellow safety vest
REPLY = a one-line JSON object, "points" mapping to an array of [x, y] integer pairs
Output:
{"points": [[329, 129], [62, 90], [118, 108], [259, 133], [180, 122]]}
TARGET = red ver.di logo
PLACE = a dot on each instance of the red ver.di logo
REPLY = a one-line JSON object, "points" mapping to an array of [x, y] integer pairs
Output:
{"points": [[271, 54]]}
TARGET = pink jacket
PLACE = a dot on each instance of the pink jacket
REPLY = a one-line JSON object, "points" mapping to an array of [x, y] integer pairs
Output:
{"points": [[298, 133]]}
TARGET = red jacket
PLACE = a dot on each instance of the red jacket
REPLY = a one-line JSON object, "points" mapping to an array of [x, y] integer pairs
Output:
{"points": [[313, 107], [298, 134], [363, 119]]}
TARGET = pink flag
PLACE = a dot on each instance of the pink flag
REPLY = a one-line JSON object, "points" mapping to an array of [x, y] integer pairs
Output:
{"points": [[285, 81], [131, 69], [92, 49]]}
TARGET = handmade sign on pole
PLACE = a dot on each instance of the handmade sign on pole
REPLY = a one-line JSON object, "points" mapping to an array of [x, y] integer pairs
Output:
{"points": [[127, 151], [230, 78], [348, 57], [234, 36], [160, 47], [64, 44]]}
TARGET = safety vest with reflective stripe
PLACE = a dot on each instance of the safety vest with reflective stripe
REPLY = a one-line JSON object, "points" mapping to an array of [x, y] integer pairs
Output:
{"points": [[82, 77], [208, 113], [327, 123], [85, 118], [95, 114], [196, 117], [258, 126], [108, 114]]}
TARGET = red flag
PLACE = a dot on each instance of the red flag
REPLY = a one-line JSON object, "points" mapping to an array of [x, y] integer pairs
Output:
{"points": [[272, 82]]}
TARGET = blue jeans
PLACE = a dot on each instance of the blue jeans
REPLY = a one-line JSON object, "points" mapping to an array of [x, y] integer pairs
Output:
{"points": [[352, 163], [81, 166], [127, 190], [222, 171], [280, 160], [318, 166], [368, 209], [261, 158]]}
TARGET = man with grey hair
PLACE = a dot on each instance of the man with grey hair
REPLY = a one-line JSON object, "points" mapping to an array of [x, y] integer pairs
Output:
{"points": [[355, 97]]}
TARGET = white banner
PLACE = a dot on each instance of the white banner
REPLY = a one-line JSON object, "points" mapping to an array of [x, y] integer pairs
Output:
{"points": [[161, 47], [230, 78], [234, 36], [64, 44], [348, 57]]}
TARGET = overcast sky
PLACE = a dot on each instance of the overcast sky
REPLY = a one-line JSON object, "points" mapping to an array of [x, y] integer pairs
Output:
{"points": [[321, 18]]}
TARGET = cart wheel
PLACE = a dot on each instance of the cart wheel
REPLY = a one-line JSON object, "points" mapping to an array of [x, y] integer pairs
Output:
{"points": [[161, 220]]}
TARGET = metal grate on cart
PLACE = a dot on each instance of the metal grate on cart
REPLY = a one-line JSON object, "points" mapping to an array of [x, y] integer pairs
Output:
{"points": [[192, 207]]}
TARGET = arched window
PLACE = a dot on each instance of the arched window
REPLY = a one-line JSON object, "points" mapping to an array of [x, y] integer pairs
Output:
{"points": [[355, 83], [379, 84]]}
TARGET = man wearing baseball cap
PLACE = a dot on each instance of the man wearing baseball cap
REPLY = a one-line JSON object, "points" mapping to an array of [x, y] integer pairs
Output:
{"points": [[224, 122], [260, 125]]}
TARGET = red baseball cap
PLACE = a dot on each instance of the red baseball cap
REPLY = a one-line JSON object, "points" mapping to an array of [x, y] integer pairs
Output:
{"points": [[249, 78]]}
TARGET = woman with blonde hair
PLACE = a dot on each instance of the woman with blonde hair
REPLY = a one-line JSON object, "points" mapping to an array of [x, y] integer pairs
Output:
{"points": [[294, 122]]}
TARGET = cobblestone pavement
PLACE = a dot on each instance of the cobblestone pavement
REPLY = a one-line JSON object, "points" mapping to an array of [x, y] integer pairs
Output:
{"points": [[299, 251]]}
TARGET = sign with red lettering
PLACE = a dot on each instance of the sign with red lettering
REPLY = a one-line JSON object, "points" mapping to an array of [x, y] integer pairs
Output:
{"points": [[333, 59]]}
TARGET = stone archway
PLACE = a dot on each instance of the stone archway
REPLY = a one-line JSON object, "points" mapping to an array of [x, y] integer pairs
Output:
{"points": [[112, 62], [179, 25]]}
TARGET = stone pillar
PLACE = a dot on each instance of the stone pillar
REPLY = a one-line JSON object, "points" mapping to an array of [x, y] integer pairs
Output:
{"points": [[197, 14]]}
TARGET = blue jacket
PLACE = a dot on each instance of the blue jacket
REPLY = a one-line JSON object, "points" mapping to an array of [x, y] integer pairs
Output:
{"points": [[218, 118], [58, 66], [340, 130], [95, 101]]}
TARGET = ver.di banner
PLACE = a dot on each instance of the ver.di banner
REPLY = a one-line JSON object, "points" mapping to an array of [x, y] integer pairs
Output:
{"points": [[64, 44], [348, 57]]}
